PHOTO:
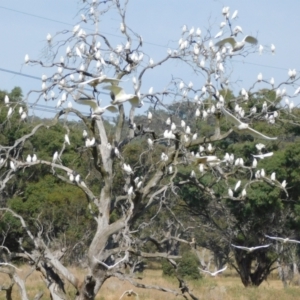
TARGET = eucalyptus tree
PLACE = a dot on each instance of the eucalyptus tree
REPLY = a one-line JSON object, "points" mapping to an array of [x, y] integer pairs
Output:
{"points": [[136, 191]]}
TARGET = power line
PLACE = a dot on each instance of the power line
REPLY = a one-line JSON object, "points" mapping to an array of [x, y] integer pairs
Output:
{"points": [[45, 108], [19, 73], [36, 16], [65, 23], [115, 35], [38, 78]]}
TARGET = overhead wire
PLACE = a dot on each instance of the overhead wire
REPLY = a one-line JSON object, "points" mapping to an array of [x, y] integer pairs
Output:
{"points": [[44, 108], [115, 35]]}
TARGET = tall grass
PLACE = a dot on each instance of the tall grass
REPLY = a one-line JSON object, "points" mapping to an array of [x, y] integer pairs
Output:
{"points": [[225, 287]]}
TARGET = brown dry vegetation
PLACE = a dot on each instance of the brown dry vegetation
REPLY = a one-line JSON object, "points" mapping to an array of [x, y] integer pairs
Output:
{"points": [[225, 287]]}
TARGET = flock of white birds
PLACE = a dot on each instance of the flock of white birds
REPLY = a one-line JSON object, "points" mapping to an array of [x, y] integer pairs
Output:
{"points": [[251, 249], [205, 157], [219, 51]]}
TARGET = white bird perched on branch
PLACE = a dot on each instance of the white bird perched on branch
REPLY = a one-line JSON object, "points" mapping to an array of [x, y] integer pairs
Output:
{"points": [[119, 96], [182, 124], [283, 184], [77, 178], [71, 176], [244, 193], [103, 78], [188, 130], [213, 274], [28, 158], [239, 162], [251, 249], [173, 126], [282, 240], [127, 169], [237, 29], [84, 134], [164, 157], [273, 48], [26, 59], [236, 46], [6, 100], [259, 77], [244, 127], [273, 176], [237, 185], [67, 140], [150, 143], [225, 11], [55, 157], [259, 147], [193, 174], [23, 116], [257, 174], [292, 73], [130, 191], [201, 168], [9, 113], [97, 110], [90, 142], [222, 24], [12, 166]]}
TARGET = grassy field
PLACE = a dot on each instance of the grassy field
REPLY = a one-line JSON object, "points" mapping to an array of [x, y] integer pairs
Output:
{"points": [[225, 287]]}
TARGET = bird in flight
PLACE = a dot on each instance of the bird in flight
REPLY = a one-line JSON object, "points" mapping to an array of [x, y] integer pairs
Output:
{"points": [[244, 127], [283, 240], [236, 46], [97, 110], [129, 293], [262, 156], [250, 249], [210, 160], [213, 274], [119, 96], [103, 78]]}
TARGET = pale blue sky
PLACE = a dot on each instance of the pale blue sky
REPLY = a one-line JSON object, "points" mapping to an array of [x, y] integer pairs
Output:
{"points": [[159, 23]]}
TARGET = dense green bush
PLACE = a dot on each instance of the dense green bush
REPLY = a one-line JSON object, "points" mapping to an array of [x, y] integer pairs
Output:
{"points": [[167, 268], [187, 267]]}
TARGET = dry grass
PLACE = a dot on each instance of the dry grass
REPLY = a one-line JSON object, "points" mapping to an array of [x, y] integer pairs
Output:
{"points": [[225, 287]]}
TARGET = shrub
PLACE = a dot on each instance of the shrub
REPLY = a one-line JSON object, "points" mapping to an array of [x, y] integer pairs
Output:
{"points": [[187, 267]]}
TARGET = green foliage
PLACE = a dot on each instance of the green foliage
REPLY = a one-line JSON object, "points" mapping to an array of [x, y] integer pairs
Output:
{"points": [[60, 208], [167, 268], [43, 200], [188, 266]]}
